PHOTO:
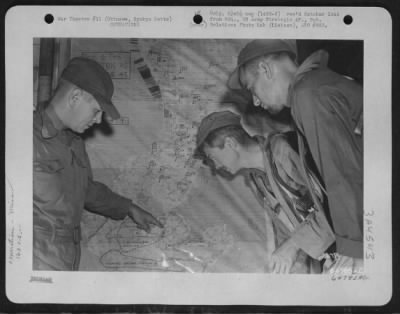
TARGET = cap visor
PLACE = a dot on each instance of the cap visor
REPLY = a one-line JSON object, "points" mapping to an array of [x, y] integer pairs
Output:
{"points": [[108, 107], [233, 81]]}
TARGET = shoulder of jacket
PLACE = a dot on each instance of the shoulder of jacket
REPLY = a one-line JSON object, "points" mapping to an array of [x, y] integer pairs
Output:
{"points": [[314, 78], [277, 141]]}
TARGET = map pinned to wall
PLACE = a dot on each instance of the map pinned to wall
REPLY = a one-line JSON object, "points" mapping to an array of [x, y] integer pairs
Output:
{"points": [[172, 84]]}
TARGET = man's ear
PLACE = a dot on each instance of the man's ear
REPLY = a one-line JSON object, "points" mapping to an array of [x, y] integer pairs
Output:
{"points": [[74, 97], [265, 67], [231, 142]]}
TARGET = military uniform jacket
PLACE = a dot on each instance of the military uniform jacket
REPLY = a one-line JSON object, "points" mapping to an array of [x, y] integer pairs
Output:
{"points": [[327, 109], [309, 230], [62, 188]]}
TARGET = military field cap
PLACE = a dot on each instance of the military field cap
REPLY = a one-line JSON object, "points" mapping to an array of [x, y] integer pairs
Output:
{"points": [[258, 48], [210, 123], [90, 76]]}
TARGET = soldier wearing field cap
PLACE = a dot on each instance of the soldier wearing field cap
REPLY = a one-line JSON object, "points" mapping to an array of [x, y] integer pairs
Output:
{"points": [[326, 108], [297, 234], [62, 179]]}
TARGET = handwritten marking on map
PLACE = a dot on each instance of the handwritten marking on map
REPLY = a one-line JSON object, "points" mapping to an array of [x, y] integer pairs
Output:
{"points": [[121, 246]]}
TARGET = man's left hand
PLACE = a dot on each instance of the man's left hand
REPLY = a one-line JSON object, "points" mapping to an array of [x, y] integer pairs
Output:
{"points": [[142, 218], [283, 258]]}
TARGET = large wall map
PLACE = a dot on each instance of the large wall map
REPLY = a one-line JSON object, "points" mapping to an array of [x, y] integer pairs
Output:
{"points": [[163, 88]]}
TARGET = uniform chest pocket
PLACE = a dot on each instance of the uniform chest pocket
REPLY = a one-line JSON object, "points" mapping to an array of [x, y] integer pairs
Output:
{"points": [[48, 166]]}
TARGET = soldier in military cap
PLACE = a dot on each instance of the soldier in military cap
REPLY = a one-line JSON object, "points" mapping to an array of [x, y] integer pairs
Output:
{"points": [[299, 232], [62, 179], [327, 109]]}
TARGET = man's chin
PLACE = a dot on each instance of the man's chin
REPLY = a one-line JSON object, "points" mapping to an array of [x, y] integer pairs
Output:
{"points": [[84, 129], [274, 111], [227, 174], [79, 130]]}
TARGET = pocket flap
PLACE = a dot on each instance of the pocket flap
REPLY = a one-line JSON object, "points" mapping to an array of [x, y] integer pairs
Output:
{"points": [[50, 166]]}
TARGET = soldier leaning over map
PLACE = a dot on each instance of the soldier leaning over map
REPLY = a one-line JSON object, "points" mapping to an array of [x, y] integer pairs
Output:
{"points": [[299, 233]]}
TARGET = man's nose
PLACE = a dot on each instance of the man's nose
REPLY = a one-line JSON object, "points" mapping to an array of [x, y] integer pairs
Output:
{"points": [[256, 101], [218, 165], [98, 117]]}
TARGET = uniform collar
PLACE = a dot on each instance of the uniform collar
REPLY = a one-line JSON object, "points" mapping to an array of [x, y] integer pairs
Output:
{"points": [[262, 141], [317, 60], [51, 124]]}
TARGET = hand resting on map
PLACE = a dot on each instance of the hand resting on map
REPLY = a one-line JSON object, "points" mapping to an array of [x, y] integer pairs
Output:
{"points": [[283, 258], [142, 218]]}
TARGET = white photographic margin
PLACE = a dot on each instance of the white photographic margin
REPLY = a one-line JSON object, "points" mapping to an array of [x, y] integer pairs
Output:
{"points": [[23, 23]]}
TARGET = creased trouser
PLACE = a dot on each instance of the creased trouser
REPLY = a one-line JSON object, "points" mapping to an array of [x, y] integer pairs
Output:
{"points": [[57, 249]]}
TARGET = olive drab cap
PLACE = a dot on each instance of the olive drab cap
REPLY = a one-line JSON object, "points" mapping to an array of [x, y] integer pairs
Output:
{"points": [[90, 76], [258, 48], [210, 123]]}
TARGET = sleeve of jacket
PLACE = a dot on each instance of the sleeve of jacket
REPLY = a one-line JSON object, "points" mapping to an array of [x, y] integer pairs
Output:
{"points": [[314, 235], [323, 117], [101, 200]]}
